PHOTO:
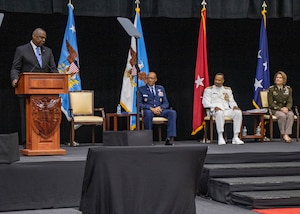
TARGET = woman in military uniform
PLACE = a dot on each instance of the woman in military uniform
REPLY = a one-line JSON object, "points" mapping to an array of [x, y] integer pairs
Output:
{"points": [[280, 102]]}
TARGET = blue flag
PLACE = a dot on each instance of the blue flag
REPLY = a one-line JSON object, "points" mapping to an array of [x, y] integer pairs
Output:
{"points": [[69, 61], [262, 77], [129, 87]]}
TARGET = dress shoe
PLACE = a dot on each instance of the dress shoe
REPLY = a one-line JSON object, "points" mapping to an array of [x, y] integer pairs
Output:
{"points": [[221, 141], [168, 142], [237, 140], [287, 139], [73, 144]]}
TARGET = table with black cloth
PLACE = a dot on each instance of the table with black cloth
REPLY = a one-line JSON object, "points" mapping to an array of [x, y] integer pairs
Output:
{"points": [[147, 179]]}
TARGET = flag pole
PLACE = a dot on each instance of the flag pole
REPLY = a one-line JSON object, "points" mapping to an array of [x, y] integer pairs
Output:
{"points": [[262, 76], [133, 32], [137, 10], [201, 80]]}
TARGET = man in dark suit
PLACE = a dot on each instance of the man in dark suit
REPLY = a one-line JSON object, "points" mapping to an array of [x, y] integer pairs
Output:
{"points": [[154, 102], [27, 57], [31, 57]]}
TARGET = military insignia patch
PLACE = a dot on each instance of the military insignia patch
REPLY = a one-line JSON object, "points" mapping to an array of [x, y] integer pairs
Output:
{"points": [[226, 97], [145, 97]]}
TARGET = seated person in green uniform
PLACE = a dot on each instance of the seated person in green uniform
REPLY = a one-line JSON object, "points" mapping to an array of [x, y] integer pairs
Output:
{"points": [[280, 102]]}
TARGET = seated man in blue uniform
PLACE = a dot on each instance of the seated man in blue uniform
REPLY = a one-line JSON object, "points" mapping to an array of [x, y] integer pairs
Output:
{"points": [[154, 102]]}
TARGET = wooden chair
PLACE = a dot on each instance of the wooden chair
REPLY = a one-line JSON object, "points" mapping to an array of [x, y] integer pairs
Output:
{"points": [[159, 121], [209, 118], [82, 112], [272, 118]]}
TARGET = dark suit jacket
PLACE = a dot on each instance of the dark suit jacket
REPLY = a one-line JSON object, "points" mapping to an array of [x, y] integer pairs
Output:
{"points": [[26, 61], [147, 99]]}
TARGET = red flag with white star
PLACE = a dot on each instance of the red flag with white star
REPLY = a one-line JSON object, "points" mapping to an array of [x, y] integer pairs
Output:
{"points": [[201, 76]]}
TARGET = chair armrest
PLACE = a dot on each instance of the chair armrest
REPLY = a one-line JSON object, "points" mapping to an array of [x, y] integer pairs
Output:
{"points": [[270, 112], [208, 112], [100, 110], [296, 110], [71, 111]]}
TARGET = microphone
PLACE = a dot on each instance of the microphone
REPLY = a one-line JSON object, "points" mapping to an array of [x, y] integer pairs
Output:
{"points": [[51, 70], [36, 64], [34, 67]]}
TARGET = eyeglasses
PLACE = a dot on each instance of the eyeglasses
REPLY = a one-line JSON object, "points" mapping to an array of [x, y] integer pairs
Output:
{"points": [[152, 78]]}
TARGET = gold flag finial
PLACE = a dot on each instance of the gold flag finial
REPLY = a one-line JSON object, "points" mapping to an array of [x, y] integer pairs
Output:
{"points": [[203, 3], [264, 5], [137, 9]]}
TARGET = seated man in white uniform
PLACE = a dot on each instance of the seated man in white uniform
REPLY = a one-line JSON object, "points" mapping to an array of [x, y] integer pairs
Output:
{"points": [[220, 101]]}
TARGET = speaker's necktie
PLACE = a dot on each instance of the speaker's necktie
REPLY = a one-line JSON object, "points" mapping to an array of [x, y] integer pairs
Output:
{"points": [[39, 55]]}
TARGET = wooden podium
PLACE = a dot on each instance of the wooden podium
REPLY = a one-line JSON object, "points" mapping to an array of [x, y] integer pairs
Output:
{"points": [[43, 111]]}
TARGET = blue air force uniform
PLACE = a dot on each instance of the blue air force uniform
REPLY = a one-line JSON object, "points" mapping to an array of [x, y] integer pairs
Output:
{"points": [[151, 100]]}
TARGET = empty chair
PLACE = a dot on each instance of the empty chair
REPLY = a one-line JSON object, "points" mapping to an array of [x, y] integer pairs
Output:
{"points": [[82, 112]]}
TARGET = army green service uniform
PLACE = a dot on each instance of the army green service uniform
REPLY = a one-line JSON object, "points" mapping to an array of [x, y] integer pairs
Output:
{"points": [[277, 99]]}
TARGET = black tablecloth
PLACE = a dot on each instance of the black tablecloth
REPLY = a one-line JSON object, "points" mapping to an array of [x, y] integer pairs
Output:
{"points": [[142, 180]]}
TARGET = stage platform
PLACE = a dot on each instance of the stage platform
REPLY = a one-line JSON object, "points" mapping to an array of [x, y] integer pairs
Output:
{"points": [[250, 152], [41, 182]]}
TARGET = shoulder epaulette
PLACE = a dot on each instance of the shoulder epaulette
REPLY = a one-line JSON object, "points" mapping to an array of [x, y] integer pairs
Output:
{"points": [[227, 87], [210, 87]]}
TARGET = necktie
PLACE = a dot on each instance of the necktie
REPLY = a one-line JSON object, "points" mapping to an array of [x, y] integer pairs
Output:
{"points": [[38, 55], [152, 91]]}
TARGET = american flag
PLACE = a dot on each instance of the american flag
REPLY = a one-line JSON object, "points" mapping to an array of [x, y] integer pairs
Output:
{"points": [[73, 69]]}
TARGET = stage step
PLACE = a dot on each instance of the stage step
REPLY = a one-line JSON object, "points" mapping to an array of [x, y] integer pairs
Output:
{"points": [[246, 170], [232, 174], [221, 189], [267, 199], [250, 169], [267, 152]]}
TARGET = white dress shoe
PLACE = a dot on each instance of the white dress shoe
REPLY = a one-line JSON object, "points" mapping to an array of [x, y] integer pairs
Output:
{"points": [[237, 141], [74, 144], [221, 141]]}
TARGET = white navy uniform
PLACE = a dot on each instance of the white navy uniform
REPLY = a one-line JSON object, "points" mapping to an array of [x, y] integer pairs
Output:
{"points": [[222, 97]]}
